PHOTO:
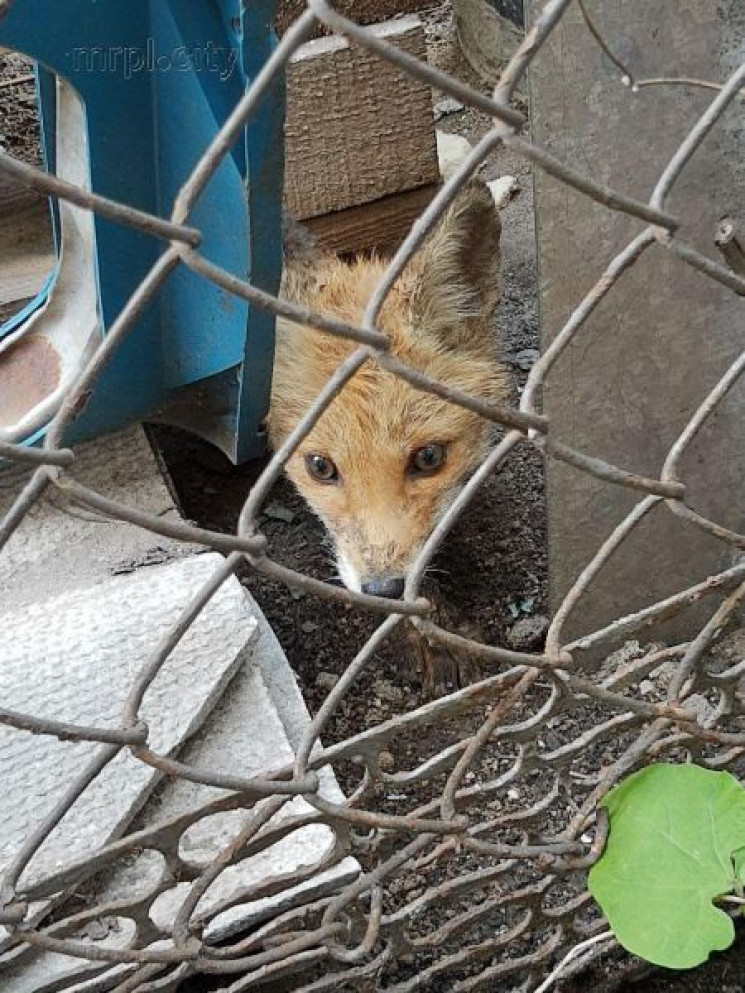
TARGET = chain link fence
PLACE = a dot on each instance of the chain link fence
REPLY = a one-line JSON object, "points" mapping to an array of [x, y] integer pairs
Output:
{"points": [[512, 822]]}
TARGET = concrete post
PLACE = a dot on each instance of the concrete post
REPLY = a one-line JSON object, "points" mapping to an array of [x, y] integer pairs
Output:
{"points": [[664, 336]]}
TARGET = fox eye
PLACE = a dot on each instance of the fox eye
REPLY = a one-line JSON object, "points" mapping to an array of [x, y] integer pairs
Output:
{"points": [[321, 468], [427, 459]]}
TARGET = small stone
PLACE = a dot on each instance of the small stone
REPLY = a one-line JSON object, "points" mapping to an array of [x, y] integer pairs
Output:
{"points": [[662, 674], [386, 761], [527, 632], [447, 106], [513, 794], [278, 512], [646, 686], [308, 627], [326, 680], [623, 657], [414, 882], [101, 928], [386, 691], [526, 358], [700, 706]]}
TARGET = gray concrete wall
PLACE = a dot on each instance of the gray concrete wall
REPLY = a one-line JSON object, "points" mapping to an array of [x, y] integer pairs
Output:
{"points": [[661, 340]]}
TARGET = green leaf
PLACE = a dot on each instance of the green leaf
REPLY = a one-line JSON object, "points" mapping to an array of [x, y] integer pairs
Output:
{"points": [[673, 832]]}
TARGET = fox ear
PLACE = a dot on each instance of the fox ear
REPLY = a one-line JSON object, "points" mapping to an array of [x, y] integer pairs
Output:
{"points": [[456, 273]]}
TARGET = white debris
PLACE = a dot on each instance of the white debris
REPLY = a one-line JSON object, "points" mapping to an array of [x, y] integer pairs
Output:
{"points": [[452, 149], [503, 190], [445, 107]]}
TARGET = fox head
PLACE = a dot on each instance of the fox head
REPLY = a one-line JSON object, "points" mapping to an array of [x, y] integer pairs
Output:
{"points": [[384, 461]]}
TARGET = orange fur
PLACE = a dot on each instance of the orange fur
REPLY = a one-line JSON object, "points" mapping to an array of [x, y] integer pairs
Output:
{"points": [[439, 319]]}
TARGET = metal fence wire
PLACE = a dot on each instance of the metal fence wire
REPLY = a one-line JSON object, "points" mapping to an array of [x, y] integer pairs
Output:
{"points": [[502, 856]]}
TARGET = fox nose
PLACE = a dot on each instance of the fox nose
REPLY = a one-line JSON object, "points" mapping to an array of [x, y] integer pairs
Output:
{"points": [[385, 586]]}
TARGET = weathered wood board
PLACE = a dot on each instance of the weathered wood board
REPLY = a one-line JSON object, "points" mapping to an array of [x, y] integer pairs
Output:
{"points": [[380, 225]]}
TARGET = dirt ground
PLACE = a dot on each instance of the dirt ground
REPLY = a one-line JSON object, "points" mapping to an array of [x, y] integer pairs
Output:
{"points": [[490, 574]]}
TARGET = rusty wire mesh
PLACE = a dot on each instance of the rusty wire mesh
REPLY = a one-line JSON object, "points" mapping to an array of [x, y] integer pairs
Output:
{"points": [[503, 854]]}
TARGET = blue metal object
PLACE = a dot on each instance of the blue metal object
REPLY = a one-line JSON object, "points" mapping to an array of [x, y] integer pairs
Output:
{"points": [[158, 78]]}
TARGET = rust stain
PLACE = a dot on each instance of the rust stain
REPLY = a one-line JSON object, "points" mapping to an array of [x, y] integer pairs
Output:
{"points": [[29, 372]]}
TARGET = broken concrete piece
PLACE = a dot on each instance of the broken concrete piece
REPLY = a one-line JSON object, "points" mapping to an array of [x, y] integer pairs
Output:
{"points": [[527, 633]]}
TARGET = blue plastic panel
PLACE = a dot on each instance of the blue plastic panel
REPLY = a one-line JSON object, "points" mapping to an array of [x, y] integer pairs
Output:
{"points": [[158, 78]]}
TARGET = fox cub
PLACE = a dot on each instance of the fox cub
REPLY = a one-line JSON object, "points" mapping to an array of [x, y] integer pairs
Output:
{"points": [[385, 461]]}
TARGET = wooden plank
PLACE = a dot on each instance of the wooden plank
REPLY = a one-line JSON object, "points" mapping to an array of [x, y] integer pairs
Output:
{"points": [[381, 225], [357, 129]]}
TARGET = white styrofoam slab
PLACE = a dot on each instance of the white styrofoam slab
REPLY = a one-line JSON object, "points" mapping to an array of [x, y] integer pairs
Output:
{"points": [[246, 734], [54, 550], [74, 658]]}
